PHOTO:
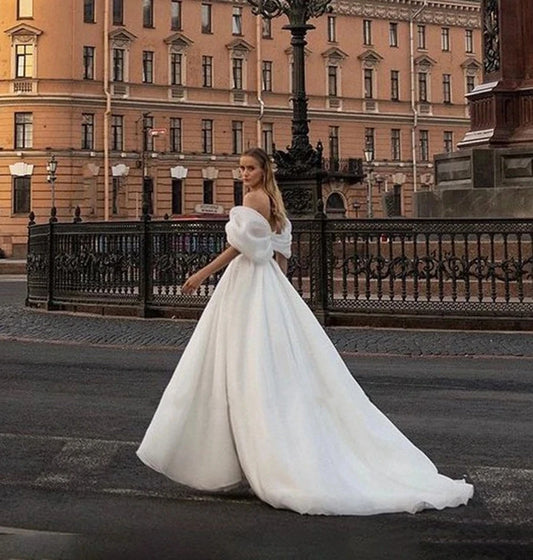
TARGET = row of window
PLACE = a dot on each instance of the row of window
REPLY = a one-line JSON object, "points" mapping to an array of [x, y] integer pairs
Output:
{"points": [[24, 136], [25, 10], [24, 69], [394, 36], [176, 68], [22, 194], [207, 24]]}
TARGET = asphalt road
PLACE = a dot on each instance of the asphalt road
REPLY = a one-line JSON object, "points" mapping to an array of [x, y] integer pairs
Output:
{"points": [[71, 488]]}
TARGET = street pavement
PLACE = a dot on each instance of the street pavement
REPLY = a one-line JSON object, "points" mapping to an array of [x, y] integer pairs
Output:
{"points": [[77, 391]]}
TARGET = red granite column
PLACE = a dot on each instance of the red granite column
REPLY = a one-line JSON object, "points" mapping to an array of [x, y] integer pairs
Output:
{"points": [[502, 107]]}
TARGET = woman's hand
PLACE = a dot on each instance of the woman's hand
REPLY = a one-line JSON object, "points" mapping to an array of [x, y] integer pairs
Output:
{"points": [[192, 283]]}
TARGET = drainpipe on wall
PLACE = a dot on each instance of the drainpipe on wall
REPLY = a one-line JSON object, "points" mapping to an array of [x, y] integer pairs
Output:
{"points": [[107, 111], [414, 110], [259, 37]]}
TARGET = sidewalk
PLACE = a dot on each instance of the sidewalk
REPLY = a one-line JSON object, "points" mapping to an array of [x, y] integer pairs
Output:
{"points": [[12, 267], [21, 323]]}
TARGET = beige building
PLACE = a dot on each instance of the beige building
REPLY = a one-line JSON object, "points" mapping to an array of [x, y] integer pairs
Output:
{"points": [[154, 100]]}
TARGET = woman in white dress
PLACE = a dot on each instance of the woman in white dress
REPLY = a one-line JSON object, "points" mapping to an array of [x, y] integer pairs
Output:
{"points": [[261, 395]]}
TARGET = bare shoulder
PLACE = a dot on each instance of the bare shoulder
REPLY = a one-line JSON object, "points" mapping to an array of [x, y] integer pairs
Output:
{"points": [[259, 201]]}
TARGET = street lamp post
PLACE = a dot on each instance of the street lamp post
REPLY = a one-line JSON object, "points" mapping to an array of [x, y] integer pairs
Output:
{"points": [[51, 168], [369, 156], [300, 158]]}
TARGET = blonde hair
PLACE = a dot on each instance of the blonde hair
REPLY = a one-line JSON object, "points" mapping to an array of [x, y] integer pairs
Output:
{"points": [[270, 186]]}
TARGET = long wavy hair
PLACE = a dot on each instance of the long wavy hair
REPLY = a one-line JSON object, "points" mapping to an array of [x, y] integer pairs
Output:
{"points": [[270, 186]]}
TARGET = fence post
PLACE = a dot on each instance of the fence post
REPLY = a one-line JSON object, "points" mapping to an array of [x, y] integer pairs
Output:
{"points": [[31, 222], [51, 257], [322, 311], [144, 262]]}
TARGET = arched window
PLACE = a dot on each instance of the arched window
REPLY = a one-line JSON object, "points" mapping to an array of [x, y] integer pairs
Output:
{"points": [[335, 206]]}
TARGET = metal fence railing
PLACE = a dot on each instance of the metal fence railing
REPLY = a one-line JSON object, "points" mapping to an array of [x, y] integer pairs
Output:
{"points": [[369, 269]]}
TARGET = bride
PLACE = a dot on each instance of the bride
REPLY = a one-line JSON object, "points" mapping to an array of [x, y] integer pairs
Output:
{"points": [[262, 396]]}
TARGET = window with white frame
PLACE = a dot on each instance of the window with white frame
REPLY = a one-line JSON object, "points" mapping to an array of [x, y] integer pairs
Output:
{"points": [[447, 88], [236, 20], [267, 137], [175, 135], [21, 194], [176, 69], [148, 13], [332, 29], [470, 83], [24, 60], [23, 130], [367, 32], [237, 192], [396, 145], [148, 67], [448, 141], [117, 133], [118, 12], [177, 196], [266, 28], [237, 65], [393, 34], [119, 57], [236, 137], [424, 145], [423, 87], [88, 63], [88, 11], [207, 71], [207, 26], [395, 85], [445, 38], [87, 131], [421, 36], [267, 75], [334, 143], [207, 136], [148, 139], [24, 9], [369, 83], [175, 15], [469, 41], [332, 80], [208, 191], [370, 143]]}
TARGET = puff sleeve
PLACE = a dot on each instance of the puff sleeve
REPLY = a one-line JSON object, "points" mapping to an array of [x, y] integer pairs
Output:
{"points": [[249, 232]]}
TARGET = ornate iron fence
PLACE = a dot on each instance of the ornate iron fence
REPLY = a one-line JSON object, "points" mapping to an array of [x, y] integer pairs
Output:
{"points": [[390, 271]]}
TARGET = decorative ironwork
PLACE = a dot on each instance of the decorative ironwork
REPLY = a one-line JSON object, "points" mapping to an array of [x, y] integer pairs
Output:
{"points": [[491, 35], [417, 267]]}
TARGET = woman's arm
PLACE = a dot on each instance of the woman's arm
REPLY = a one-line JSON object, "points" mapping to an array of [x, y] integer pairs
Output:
{"points": [[282, 262], [195, 280]]}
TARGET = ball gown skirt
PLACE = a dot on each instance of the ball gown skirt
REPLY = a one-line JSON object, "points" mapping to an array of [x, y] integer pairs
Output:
{"points": [[261, 395]]}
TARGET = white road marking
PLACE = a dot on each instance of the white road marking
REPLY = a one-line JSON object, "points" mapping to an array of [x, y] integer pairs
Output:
{"points": [[77, 460], [507, 493]]}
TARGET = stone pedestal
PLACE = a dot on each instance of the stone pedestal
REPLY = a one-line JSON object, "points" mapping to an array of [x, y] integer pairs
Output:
{"points": [[481, 183], [492, 173]]}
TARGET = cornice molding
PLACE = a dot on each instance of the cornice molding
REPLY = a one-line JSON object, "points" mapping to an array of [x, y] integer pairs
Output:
{"points": [[452, 12], [458, 13]]}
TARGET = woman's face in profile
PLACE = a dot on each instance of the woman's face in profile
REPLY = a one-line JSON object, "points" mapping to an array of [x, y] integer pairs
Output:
{"points": [[251, 172]]}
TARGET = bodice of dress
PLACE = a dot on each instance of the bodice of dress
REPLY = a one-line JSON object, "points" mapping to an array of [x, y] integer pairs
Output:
{"points": [[249, 232]]}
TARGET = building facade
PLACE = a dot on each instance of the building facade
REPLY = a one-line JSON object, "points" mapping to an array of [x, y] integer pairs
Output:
{"points": [[152, 102]]}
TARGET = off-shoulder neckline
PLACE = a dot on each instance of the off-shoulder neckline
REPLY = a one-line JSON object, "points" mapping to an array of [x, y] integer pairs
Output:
{"points": [[259, 214]]}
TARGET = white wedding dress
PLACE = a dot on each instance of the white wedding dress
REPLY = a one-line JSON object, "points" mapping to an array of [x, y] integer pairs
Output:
{"points": [[261, 395]]}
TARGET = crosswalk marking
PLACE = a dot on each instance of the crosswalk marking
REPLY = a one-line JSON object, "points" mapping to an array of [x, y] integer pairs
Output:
{"points": [[84, 464], [77, 460]]}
